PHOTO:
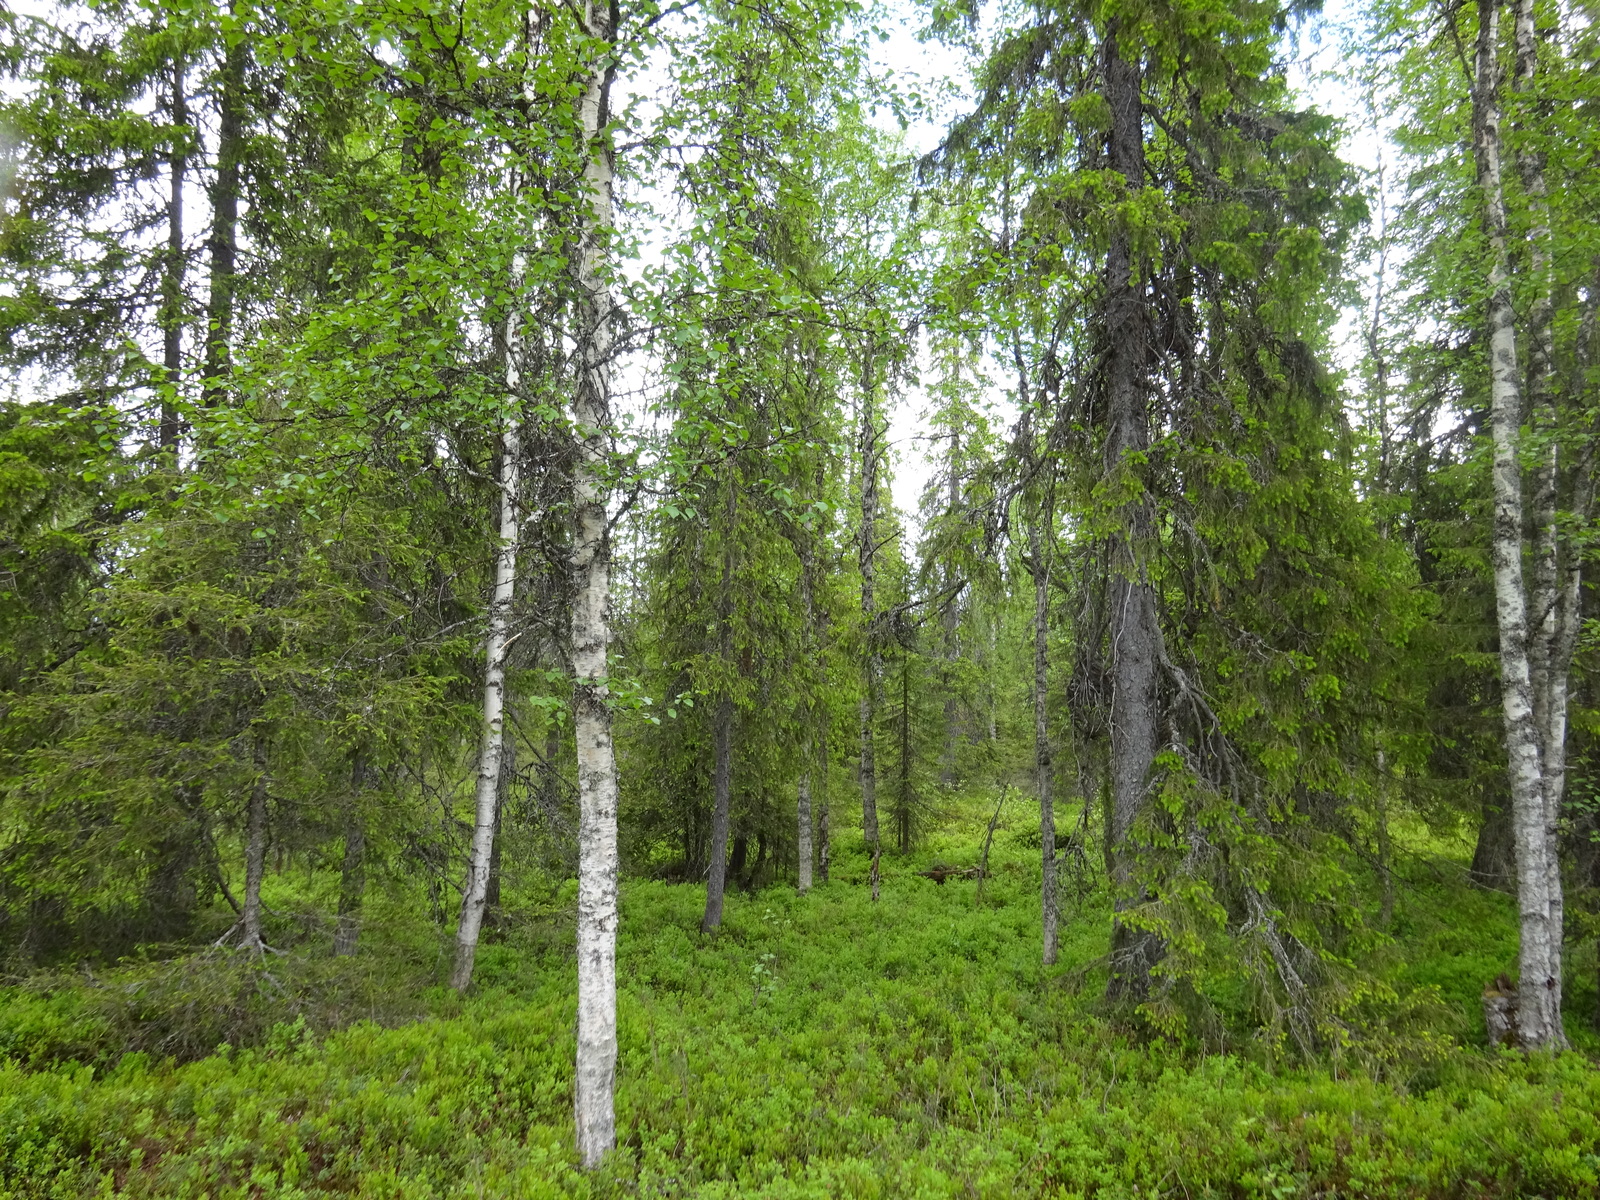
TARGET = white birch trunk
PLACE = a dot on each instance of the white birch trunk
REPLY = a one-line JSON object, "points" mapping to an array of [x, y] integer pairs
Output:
{"points": [[596, 1067], [494, 691], [1549, 665], [803, 845], [1539, 1022]]}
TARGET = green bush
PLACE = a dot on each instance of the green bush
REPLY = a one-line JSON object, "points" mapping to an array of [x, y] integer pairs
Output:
{"points": [[819, 1046]]}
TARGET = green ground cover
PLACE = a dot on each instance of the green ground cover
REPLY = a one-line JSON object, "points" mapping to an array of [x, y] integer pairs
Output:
{"points": [[819, 1046]]}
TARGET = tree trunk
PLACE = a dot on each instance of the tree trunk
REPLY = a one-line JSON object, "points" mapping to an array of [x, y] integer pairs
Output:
{"points": [[491, 896], [869, 613], [353, 870], [950, 621], [824, 849], [1044, 779], [1539, 1021], [803, 845], [904, 815], [1494, 854], [255, 857], [173, 273], [224, 240], [722, 798], [748, 880], [1548, 666], [1134, 634], [1385, 846], [596, 1067], [474, 895]]}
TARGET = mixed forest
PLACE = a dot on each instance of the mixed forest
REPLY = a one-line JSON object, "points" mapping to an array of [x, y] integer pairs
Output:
{"points": [[476, 721]]}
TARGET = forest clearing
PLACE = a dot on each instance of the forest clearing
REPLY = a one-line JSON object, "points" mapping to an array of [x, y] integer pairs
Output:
{"points": [[800, 598]]}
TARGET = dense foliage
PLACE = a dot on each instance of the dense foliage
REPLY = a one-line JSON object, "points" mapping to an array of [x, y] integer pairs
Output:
{"points": [[450, 467]]}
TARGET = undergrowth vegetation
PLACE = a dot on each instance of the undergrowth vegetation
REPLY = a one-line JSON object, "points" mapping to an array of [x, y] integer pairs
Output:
{"points": [[818, 1046]]}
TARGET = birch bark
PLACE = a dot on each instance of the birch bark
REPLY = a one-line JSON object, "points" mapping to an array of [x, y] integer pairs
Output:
{"points": [[1550, 660], [1539, 1022], [475, 894], [595, 1074]]}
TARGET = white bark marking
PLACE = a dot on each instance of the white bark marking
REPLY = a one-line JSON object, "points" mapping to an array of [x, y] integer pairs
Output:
{"points": [[595, 1073], [1539, 1020], [494, 691]]}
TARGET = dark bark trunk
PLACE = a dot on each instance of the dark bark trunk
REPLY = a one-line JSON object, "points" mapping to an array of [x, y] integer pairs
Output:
{"points": [[352, 885], [1044, 779], [224, 241], [722, 788], [1494, 859], [905, 814], [869, 611], [255, 857], [493, 917], [950, 621], [353, 869], [172, 275], [752, 878], [1134, 635]]}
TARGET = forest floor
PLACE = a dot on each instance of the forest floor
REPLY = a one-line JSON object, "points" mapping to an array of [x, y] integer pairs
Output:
{"points": [[819, 1046]]}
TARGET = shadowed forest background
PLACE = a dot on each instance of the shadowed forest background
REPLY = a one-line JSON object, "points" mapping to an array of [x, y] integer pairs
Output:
{"points": [[475, 720]]}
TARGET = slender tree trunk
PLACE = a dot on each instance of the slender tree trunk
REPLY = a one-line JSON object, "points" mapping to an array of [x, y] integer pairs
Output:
{"points": [[1385, 850], [255, 856], [1044, 775], [502, 792], [950, 621], [224, 240], [807, 716], [824, 849], [173, 273], [596, 1068], [1539, 1022], [475, 895], [907, 799], [803, 844], [747, 880], [353, 869], [722, 798], [722, 737], [1134, 634], [869, 613]]}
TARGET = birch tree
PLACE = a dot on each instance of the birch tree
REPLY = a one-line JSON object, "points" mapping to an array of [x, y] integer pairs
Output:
{"points": [[490, 751], [595, 1076]]}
